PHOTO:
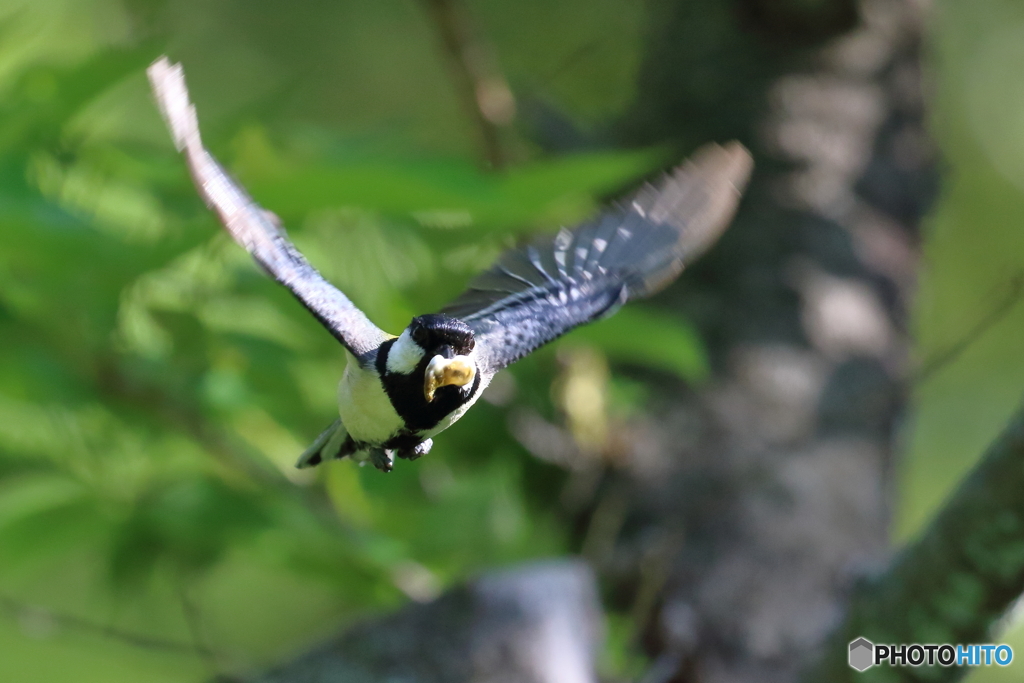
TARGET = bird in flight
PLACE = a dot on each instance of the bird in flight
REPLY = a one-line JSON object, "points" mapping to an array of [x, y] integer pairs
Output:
{"points": [[397, 393]]}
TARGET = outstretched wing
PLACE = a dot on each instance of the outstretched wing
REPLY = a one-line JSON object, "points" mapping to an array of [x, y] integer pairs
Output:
{"points": [[253, 227], [536, 293]]}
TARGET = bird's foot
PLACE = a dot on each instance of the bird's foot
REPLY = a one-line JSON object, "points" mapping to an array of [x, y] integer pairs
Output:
{"points": [[417, 451], [382, 459]]}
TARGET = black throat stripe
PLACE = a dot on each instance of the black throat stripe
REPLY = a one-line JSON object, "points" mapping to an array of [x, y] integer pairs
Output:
{"points": [[406, 393]]}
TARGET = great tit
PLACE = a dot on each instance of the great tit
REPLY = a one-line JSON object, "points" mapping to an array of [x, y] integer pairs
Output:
{"points": [[397, 393]]}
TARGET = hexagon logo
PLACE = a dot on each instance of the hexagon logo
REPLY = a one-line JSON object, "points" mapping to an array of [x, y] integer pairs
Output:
{"points": [[862, 654]]}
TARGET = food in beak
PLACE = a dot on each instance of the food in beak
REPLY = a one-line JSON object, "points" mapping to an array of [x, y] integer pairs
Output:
{"points": [[442, 372]]}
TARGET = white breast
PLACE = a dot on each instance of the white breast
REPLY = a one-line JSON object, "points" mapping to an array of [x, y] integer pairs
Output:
{"points": [[364, 407]]}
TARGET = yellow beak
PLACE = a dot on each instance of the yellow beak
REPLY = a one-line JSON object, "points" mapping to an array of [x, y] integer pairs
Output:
{"points": [[442, 372]]}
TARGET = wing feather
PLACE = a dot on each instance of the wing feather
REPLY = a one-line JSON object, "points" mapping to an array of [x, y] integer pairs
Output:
{"points": [[538, 292], [253, 227]]}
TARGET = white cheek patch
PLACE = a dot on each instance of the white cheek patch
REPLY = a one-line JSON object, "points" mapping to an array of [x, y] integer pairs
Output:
{"points": [[404, 355]]}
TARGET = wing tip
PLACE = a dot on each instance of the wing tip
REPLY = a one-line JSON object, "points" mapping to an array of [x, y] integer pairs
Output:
{"points": [[702, 194], [731, 163], [167, 81]]}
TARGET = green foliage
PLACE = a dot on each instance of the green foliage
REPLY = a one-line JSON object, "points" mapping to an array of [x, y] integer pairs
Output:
{"points": [[619, 660], [973, 254], [156, 388], [668, 345]]}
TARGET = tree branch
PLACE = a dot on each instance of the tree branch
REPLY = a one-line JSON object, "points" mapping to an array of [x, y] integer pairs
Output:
{"points": [[484, 92], [953, 583], [16, 609]]}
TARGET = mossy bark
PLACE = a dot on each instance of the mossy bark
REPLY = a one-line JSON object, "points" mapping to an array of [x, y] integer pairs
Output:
{"points": [[953, 583]]}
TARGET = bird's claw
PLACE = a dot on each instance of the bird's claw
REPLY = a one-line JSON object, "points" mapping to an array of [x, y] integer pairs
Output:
{"points": [[382, 459], [417, 451]]}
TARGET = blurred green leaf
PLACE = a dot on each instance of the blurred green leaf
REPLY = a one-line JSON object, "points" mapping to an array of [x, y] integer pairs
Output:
{"points": [[646, 336], [551, 192], [155, 385], [189, 523], [46, 515]]}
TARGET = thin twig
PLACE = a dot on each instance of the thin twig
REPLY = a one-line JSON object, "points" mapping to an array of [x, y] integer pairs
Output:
{"points": [[605, 524], [190, 610], [16, 609], [931, 366], [484, 92], [655, 570]]}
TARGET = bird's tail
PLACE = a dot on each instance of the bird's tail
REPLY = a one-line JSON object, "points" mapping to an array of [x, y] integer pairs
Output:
{"points": [[328, 446]]}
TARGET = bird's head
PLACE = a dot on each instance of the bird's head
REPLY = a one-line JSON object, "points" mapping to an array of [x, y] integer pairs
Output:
{"points": [[439, 346]]}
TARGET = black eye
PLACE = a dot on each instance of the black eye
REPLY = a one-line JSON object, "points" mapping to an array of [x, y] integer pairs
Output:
{"points": [[419, 335]]}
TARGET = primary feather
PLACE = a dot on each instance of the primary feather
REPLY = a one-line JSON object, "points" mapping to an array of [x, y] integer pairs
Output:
{"points": [[540, 291], [253, 227]]}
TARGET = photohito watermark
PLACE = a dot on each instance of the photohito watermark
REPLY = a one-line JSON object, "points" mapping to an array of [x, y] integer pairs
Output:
{"points": [[864, 654]]}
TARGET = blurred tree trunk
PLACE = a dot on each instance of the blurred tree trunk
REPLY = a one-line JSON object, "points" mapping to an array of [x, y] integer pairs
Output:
{"points": [[745, 530]]}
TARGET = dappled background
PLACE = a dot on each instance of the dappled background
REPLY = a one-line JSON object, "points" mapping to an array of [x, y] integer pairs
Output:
{"points": [[156, 388]]}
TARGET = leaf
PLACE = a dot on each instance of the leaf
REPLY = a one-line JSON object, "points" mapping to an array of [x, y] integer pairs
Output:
{"points": [[45, 98], [190, 522], [43, 515], [520, 198], [649, 337], [347, 494]]}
